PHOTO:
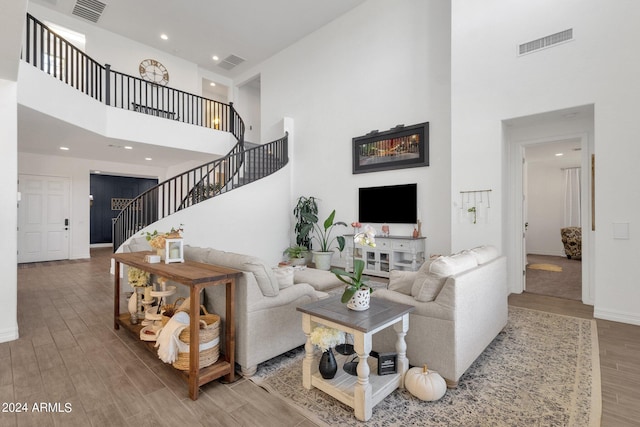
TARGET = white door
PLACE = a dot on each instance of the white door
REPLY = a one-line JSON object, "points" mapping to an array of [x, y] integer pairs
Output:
{"points": [[43, 218], [525, 222]]}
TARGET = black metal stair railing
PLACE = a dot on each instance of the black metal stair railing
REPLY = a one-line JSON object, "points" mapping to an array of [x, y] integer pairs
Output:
{"points": [[239, 167], [52, 54]]}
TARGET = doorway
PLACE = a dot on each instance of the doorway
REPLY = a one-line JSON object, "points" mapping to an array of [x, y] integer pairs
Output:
{"points": [[552, 201], [43, 218], [576, 123]]}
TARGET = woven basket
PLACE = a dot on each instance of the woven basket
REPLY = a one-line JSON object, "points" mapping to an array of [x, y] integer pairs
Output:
{"points": [[175, 305], [208, 333]]}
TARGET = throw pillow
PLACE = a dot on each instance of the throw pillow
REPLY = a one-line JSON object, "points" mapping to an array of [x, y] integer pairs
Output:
{"points": [[426, 287], [484, 254], [284, 275]]}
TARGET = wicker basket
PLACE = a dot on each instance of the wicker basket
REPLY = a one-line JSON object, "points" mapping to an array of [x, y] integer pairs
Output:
{"points": [[209, 334], [175, 306]]}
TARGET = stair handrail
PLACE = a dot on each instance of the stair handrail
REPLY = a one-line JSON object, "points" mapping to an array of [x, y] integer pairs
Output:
{"points": [[224, 174]]}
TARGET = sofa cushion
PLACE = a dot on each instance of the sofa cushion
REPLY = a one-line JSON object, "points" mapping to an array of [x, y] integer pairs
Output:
{"points": [[266, 279], [427, 285], [484, 254], [138, 244], [321, 280], [284, 276]]}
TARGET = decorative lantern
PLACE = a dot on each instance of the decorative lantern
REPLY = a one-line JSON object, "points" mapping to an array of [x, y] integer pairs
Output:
{"points": [[174, 251]]}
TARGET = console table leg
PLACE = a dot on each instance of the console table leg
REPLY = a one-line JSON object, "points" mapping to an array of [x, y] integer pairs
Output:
{"points": [[362, 393], [401, 329], [308, 362]]}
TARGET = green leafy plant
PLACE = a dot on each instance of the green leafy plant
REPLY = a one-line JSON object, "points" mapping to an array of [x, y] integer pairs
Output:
{"points": [[323, 235], [354, 281], [306, 213], [296, 251]]}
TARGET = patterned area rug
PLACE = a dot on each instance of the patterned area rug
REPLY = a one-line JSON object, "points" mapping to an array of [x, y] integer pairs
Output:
{"points": [[542, 370]]}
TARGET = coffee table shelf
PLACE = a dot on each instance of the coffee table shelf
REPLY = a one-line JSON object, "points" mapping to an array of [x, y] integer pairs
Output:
{"points": [[364, 391]]}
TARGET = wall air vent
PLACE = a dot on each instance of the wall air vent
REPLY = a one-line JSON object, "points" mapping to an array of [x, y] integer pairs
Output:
{"points": [[545, 42], [91, 10], [230, 62]]}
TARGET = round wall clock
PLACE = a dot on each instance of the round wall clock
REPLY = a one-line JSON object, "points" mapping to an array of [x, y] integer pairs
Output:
{"points": [[154, 72]]}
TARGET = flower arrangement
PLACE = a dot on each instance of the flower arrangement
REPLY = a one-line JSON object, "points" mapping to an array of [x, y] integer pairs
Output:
{"points": [[355, 281], [325, 338], [158, 240], [137, 277]]}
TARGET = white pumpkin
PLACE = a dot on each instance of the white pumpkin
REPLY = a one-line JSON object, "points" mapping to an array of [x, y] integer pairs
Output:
{"points": [[425, 384]]}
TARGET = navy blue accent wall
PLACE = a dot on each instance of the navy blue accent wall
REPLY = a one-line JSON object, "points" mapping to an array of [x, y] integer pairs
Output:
{"points": [[104, 188]]}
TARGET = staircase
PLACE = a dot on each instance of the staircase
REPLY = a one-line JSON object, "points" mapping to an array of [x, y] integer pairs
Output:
{"points": [[244, 164]]}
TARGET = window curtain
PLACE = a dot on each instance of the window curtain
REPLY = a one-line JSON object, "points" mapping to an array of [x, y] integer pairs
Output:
{"points": [[572, 201]]}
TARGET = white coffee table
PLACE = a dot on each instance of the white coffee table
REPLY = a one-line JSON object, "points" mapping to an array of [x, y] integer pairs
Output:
{"points": [[366, 390]]}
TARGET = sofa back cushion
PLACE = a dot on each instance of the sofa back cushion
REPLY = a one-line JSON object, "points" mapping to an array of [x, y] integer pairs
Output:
{"points": [[430, 280], [484, 254], [266, 279]]}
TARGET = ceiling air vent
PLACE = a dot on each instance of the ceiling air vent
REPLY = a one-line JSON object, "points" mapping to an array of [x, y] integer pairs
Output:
{"points": [[545, 42], [91, 10], [230, 62]]}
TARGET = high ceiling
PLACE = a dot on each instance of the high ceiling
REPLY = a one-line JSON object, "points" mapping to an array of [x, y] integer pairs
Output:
{"points": [[253, 30]]}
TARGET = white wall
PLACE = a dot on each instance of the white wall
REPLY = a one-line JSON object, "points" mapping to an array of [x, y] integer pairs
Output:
{"points": [[545, 196], [490, 84], [8, 215], [380, 65]]}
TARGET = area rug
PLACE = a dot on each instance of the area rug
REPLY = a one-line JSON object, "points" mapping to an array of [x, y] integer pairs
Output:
{"points": [[542, 370], [545, 267]]}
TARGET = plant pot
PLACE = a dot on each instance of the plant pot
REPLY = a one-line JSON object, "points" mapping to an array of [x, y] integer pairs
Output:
{"points": [[360, 300], [322, 260], [298, 261]]}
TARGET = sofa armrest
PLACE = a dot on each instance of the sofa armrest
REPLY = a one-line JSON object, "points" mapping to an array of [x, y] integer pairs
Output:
{"points": [[285, 296], [401, 281]]}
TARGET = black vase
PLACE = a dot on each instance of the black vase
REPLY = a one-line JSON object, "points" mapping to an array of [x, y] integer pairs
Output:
{"points": [[328, 366]]}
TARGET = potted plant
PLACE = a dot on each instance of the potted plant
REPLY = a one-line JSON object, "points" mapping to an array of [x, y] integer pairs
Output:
{"points": [[322, 256], [357, 293], [297, 254], [306, 213]]}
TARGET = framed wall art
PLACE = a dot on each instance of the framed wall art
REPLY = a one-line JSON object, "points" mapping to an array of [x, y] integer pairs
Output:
{"points": [[399, 147]]}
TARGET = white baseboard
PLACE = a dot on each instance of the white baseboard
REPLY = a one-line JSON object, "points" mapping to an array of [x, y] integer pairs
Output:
{"points": [[101, 245], [9, 334], [617, 316]]}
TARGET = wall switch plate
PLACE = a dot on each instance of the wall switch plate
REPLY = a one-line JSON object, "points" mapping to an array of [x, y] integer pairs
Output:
{"points": [[621, 230]]}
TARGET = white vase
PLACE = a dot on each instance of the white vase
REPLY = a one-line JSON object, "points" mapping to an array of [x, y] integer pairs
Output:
{"points": [[133, 303], [322, 260], [360, 300]]}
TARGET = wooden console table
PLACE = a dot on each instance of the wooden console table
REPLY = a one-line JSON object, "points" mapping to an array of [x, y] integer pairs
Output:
{"points": [[196, 276]]}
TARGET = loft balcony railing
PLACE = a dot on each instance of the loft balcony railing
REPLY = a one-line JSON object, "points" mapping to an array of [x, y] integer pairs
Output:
{"points": [[52, 54]]}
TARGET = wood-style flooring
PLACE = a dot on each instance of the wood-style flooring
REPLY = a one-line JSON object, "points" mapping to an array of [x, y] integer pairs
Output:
{"points": [[70, 359]]}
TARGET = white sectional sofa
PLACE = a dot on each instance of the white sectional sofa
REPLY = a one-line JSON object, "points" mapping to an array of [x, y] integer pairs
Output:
{"points": [[460, 307]]}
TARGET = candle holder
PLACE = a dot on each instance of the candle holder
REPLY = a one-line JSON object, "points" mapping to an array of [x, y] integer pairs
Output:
{"points": [[174, 251]]}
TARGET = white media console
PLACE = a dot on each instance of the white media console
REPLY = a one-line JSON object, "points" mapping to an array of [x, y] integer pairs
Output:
{"points": [[390, 253]]}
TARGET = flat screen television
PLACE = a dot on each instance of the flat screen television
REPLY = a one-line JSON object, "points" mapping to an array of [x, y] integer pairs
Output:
{"points": [[391, 204]]}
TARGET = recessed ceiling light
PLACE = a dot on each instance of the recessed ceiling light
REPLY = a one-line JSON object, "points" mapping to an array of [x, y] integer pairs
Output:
{"points": [[215, 57], [164, 37], [148, 158], [212, 84], [559, 154], [128, 147], [64, 148]]}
